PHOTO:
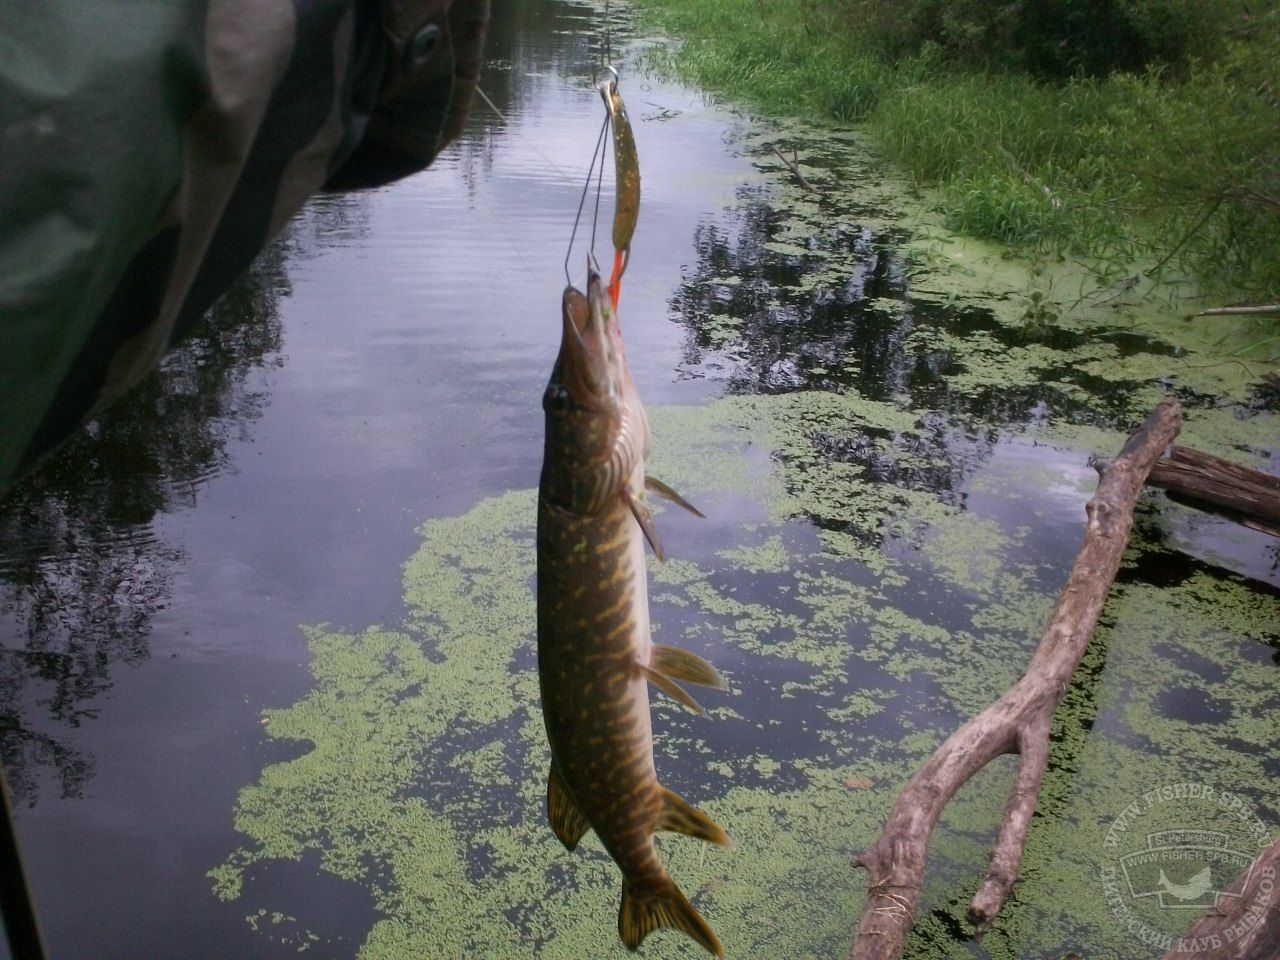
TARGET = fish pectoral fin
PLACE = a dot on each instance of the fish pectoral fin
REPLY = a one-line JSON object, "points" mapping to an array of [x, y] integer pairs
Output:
{"points": [[669, 664], [679, 817], [640, 915], [672, 689], [645, 519], [660, 489], [689, 667], [566, 819]]}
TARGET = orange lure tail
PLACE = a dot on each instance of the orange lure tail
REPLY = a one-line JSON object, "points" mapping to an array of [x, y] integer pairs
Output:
{"points": [[615, 278]]}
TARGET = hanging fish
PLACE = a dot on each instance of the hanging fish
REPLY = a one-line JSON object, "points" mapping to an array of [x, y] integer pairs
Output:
{"points": [[595, 655]]}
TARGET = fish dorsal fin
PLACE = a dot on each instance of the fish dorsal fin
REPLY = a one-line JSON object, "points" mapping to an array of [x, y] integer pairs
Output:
{"points": [[641, 915], [679, 817], [660, 489], [672, 689], [645, 519], [689, 667], [566, 819]]}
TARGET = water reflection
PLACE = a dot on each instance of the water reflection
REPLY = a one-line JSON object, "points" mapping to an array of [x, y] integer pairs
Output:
{"points": [[85, 564], [753, 321], [399, 408], [777, 303], [757, 317], [788, 295], [328, 220], [83, 571]]}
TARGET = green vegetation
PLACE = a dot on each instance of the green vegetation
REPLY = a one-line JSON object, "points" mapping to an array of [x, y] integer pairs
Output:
{"points": [[1130, 134], [418, 774]]}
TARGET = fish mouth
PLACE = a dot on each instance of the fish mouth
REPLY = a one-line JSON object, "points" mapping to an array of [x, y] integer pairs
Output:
{"points": [[590, 344]]}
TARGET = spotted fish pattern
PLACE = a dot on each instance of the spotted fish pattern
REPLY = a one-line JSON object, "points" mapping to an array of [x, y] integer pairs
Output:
{"points": [[595, 655]]}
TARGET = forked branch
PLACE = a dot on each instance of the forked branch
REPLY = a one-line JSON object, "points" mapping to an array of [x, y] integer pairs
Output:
{"points": [[794, 167], [1018, 722]]}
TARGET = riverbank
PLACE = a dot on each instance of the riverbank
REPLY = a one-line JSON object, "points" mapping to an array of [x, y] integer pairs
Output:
{"points": [[1167, 173]]}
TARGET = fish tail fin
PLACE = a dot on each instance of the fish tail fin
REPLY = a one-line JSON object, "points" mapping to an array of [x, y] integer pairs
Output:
{"points": [[641, 914], [679, 817]]}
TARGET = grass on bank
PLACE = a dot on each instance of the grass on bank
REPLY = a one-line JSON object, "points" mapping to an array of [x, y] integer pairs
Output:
{"points": [[1177, 159]]}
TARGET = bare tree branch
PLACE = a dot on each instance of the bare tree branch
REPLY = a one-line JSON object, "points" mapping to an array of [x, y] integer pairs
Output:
{"points": [[794, 167], [1019, 720], [1235, 311]]}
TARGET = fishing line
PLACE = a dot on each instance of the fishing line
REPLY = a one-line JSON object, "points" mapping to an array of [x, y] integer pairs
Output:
{"points": [[607, 64], [568, 178], [596, 154], [515, 247], [595, 218], [479, 195], [608, 48], [583, 199]]}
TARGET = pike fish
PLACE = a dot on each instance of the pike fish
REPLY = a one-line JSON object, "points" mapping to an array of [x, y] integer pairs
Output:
{"points": [[595, 655]]}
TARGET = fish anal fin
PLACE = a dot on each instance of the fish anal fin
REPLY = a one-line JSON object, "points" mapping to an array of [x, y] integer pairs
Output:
{"points": [[672, 689], [645, 519], [679, 817], [566, 819], [660, 489], [642, 914], [689, 667]]}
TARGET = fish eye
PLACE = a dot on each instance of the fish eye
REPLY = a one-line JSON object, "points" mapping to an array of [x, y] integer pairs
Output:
{"points": [[556, 399]]}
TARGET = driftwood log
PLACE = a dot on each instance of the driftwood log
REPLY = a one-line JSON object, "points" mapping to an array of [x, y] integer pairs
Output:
{"points": [[1246, 924], [1200, 480], [1017, 722]]}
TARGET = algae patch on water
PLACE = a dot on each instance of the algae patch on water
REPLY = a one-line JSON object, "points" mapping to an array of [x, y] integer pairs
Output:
{"points": [[424, 780], [894, 491], [422, 783], [859, 287]]}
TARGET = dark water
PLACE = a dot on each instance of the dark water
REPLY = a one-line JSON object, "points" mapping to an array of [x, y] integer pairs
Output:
{"points": [[382, 366]]}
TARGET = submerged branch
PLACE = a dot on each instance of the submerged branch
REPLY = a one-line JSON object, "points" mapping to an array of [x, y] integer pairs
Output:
{"points": [[794, 167], [1019, 721]]}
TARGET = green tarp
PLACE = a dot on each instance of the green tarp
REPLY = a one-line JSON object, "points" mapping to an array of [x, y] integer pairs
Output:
{"points": [[149, 150]]}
